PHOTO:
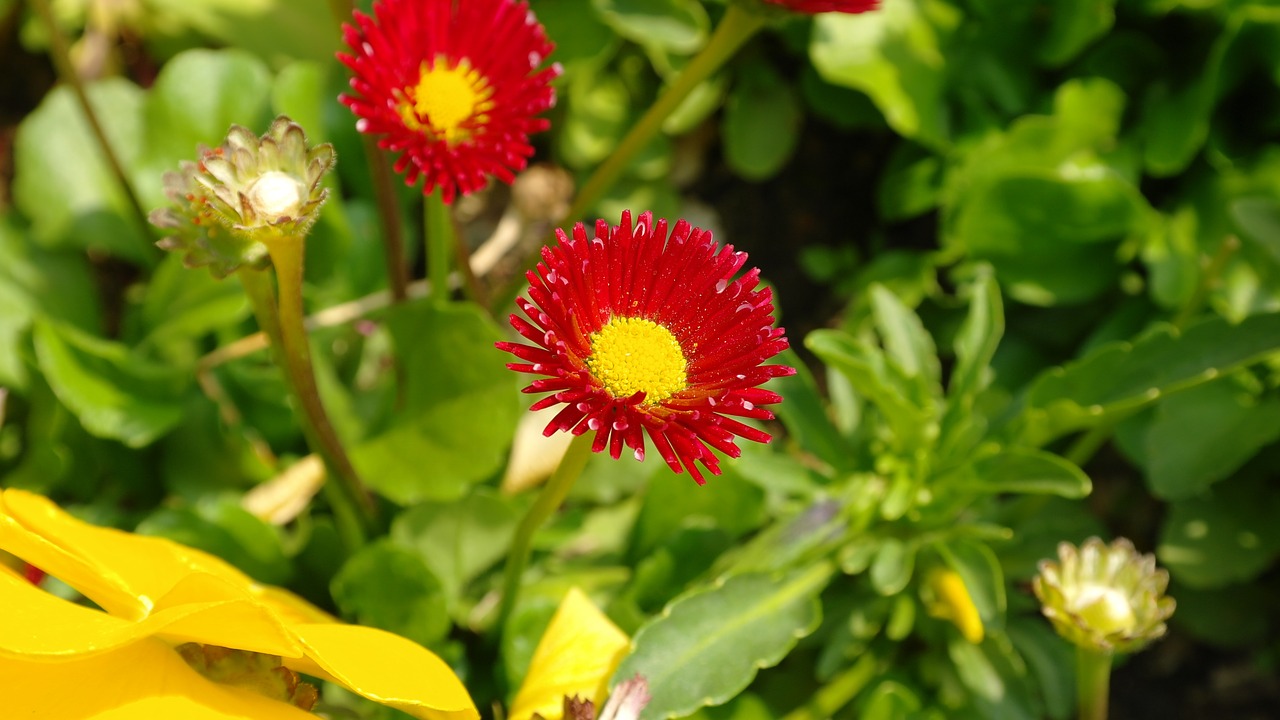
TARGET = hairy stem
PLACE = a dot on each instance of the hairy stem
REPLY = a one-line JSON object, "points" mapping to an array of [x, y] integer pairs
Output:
{"points": [[282, 322]]}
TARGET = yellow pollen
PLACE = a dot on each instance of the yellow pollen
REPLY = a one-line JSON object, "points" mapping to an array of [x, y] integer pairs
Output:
{"points": [[632, 354], [445, 97]]}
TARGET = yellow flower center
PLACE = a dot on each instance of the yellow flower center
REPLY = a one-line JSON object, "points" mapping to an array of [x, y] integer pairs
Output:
{"points": [[446, 97], [632, 354]]}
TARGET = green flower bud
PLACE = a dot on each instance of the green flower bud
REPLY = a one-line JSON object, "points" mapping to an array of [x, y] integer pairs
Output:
{"points": [[242, 195], [1105, 598]]}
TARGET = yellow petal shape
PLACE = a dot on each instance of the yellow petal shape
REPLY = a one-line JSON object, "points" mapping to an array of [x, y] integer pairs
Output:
{"points": [[141, 681], [40, 626], [576, 656], [951, 601], [123, 573], [385, 668]]}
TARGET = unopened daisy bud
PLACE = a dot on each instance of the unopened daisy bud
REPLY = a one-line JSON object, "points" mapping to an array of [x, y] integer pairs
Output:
{"points": [[1104, 598], [243, 195]]}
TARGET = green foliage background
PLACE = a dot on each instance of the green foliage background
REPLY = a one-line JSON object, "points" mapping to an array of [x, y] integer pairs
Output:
{"points": [[1055, 314]]}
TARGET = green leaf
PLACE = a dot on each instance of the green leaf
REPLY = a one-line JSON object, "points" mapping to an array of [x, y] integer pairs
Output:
{"points": [[893, 566], [1050, 661], [34, 282], [762, 119], [803, 414], [114, 393], [1043, 230], [1259, 221], [255, 26], [907, 344], [183, 305], [1021, 470], [390, 587], [599, 112], [895, 57], [1205, 434], [580, 35], [708, 645], [62, 181], [679, 26], [219, 525], [460, 540], [1227, 537], [890, 701], [674, 501], [460, 406], [1073, 26], [196, 98], [983, 577], [1127, 376], [866, 368]]}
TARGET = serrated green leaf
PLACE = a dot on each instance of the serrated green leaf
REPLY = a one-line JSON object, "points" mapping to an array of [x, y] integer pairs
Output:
{"points": [[708, 645], [460, 406], [114, 393], [388, 586], [1127, 376]]}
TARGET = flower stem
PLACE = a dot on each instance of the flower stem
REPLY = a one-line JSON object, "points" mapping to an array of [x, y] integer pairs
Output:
{"points": [[437, 226], [60, 51], [735, 28], [553, 494], [384, 191], [839, 692], [282, 322], [1093, 683], [389, 215]]}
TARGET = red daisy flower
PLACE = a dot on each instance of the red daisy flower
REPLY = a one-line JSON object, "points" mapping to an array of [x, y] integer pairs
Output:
{"points": [[640, 334], [820, 6], [451, 85]]}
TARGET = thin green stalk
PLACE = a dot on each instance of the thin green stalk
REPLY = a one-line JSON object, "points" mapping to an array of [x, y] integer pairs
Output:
{"points": [[736, 27], [283, 324], [384, 191], [552, 495], [59, 50], [842, 689], [437, 226], [1093, 683]]}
